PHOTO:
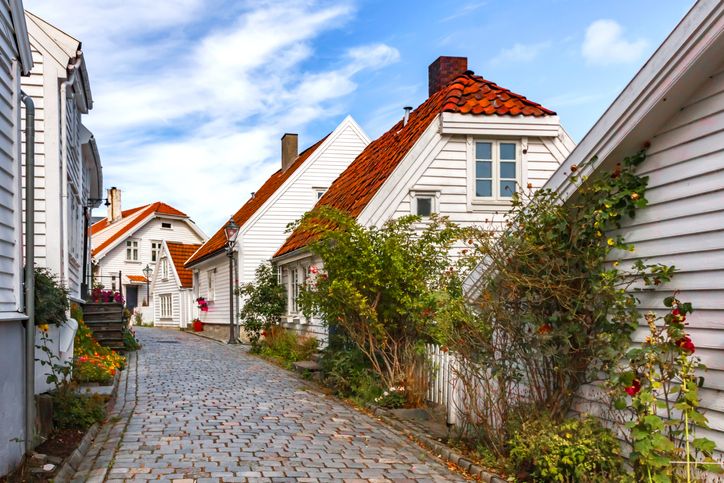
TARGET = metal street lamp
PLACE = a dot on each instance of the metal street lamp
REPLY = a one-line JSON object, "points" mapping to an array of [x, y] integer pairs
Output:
{"points": [[231, 230], [147, 273]]}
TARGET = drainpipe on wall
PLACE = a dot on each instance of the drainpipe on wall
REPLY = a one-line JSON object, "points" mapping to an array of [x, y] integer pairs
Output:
{"points": [[64, 164], [29, 270]]}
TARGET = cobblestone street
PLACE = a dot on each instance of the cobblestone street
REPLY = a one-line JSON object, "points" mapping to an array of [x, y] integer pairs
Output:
{"points": [[190, 409]]}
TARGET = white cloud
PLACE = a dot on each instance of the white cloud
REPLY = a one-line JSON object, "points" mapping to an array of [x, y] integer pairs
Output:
{"points": [[190, 105], [604, 44], [520, 53]]}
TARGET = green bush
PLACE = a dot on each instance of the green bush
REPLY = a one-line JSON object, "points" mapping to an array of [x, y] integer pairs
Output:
{"points": [[51, 299], [577, 450], [349, 372], [77, 411], [264, 304], [286, 347], [129, 340]]}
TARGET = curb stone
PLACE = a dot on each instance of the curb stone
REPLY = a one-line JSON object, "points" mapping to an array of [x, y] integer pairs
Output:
{"points": [[438, 448], [71, 464]]}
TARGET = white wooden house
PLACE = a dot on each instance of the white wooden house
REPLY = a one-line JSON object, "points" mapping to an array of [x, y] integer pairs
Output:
{"points": [[282, 199], [127, 241], [675, 102], [68, 168], [15, 61], [461, 153], [172, 286]]}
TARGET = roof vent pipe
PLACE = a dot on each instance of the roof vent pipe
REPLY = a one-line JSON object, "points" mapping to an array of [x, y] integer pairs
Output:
{"points": [[407, 110]]}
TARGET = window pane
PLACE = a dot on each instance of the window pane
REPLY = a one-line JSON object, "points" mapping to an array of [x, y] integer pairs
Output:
{"points": [[483, 188], [424, 206], [507, 151], [507, 170], [507, 188], [483, 151], [484, 169]]}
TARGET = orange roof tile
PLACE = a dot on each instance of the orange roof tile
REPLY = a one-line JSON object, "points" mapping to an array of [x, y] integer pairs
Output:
{"points": [[355, 187], [137, 278], [180, 252], [139, 213], [218, 242]]}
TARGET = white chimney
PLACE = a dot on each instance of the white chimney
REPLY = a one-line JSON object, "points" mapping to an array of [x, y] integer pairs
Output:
{"points": [[114, 208]]}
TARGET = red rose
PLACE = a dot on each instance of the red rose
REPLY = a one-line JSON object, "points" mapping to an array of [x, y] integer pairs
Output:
{"points": [[634, 388], [686, 344], [675, 312]]}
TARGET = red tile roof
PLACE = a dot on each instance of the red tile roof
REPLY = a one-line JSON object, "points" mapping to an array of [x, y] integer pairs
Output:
{"points": [[180, 252], [137, 278], [355, 187], [217, 242], [140, 213]]}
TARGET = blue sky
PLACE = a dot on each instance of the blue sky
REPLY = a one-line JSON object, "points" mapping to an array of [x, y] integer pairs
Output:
{"points": [[192, 96]]}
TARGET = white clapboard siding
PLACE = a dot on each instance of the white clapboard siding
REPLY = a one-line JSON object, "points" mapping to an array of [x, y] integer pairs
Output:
{"points": [[168, 286], [217, 296], [268, 232], [684, 226], [9, 137]]}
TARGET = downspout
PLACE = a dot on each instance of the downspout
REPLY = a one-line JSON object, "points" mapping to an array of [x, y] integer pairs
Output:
{"points": [[29, 270], [64, 164]]}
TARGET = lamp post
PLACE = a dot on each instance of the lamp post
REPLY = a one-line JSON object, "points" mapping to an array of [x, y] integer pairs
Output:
{"points": [[147, 273], [231, 230]]}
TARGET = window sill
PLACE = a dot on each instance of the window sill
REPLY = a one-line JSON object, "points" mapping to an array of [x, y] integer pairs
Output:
{"points": [[135, 262]]}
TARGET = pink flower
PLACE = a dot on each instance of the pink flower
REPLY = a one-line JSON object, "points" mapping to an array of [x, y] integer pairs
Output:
{"points": [[313, 269]]}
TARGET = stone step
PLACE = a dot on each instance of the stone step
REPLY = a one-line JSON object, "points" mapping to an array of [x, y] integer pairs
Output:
{"points": [[306, 366]]}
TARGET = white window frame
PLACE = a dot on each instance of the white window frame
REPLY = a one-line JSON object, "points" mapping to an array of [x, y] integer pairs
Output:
{"points": [[434, 197], [166, 306], [495, 198], [169, 227], [319, 192], [211, 285], [132, 250], [164, 268], [293, 290], [155, 250]]}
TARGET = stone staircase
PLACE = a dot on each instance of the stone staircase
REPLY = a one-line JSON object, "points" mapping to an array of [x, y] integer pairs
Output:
{"points": [[107, 323]]}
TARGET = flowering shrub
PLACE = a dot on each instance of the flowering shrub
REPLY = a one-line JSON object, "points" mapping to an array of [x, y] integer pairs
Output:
{"points": [[98, 295], [92, 361], [392, 398], [662, 387], [553, 313], [286, 347], [202, 304]]}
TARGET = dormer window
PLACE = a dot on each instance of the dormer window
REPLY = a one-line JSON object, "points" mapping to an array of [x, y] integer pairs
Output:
{"points": [[497, 169]]}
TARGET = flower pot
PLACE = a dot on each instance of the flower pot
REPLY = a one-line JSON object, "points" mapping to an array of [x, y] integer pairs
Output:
{"points": [[198, 326]]}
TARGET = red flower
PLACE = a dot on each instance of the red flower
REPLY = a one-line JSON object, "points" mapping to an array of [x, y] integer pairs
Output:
{"points": [[545, 329], [634, 388], [263, 333], [675, 312], [686, 344]]}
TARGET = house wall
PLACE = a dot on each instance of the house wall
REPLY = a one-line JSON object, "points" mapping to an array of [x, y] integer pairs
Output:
{"points": [[217, 296], [267, 230], [168, 286], [115, 260], [12, 386], [683, 225]]}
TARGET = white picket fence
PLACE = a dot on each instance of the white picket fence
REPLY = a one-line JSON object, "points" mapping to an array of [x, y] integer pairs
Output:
{"points": [[443, 385]]}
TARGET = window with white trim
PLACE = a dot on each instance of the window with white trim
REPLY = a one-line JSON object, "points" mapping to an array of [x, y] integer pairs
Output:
{"points": [[166, 225], [155, 250], [294, 289], [211, 284], [166, 306], [496, 170], [164, 268], [319, 192], [132, 250]]}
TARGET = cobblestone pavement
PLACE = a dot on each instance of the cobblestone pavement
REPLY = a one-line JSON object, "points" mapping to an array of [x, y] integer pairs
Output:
{"points": [[191, 409]]}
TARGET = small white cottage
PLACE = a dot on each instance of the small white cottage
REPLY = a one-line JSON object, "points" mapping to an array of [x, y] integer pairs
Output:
{"points": [[172, 286], [291, 191], [462, 153], [126, 242]]}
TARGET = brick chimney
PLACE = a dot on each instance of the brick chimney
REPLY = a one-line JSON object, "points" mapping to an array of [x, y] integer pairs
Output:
{"points": [[114, 208], [444, 70], [290, 150]]}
